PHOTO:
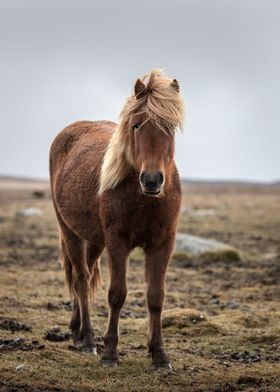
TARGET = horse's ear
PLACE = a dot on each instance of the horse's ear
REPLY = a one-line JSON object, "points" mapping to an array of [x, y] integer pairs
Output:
{"points": [[175, 85], [139, 88]]}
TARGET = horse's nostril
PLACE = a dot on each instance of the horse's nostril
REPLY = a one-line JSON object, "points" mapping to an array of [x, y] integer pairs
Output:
{"points": [[160, 178], [142, 177], [151, 184]]}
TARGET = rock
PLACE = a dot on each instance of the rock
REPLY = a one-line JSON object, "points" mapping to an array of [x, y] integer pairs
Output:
{"points": [[191, 251], [197, 245], [30, 211]]}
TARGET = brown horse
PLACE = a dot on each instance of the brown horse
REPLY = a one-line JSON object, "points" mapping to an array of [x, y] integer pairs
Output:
{"points": [[117, 186]]}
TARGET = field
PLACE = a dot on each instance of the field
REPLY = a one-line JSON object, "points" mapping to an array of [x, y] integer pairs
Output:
{"points": [[221, 320]]}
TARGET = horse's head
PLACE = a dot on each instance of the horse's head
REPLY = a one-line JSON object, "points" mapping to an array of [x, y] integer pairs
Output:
{"points": [[144, 138], [153, 154], [153, 132]]}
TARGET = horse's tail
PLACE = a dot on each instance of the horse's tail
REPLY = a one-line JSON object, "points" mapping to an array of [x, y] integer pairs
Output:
{"points": [[96, 279], [66, 264]]}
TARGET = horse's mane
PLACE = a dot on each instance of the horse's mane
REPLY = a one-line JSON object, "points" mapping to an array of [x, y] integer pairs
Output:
{"points": [[164, 107]]}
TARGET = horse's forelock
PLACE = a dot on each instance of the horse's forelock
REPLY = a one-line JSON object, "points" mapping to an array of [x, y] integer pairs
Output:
{"points": [[161, 102]]}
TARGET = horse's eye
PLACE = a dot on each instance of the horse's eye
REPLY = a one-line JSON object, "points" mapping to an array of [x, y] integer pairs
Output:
{"points": [[135, 126]]}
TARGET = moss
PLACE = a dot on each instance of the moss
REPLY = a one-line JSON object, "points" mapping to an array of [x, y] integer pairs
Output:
{"points": [[188, 321], [136, 256], [226, 255], [183, 259]]}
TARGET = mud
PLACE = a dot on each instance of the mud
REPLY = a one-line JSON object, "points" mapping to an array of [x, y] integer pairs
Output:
{"points": [[20, 344], [13, 325]]}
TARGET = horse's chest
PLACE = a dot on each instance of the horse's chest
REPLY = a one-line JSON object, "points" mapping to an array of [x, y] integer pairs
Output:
{"points": [[143, 223]]}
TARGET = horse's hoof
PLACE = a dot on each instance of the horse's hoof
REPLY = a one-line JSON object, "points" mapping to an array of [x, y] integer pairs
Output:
{"points": [[164, 367], [77, 341], [109, 363], [89, 350]]}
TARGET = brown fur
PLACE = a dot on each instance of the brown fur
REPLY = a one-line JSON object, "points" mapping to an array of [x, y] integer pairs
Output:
{"points": [[118, 215]]}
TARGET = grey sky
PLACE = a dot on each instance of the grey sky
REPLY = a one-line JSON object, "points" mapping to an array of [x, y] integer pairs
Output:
{"points": [[65, 60]]}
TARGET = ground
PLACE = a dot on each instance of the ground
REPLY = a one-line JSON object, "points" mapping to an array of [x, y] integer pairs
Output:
{"points": [[221, 321]]}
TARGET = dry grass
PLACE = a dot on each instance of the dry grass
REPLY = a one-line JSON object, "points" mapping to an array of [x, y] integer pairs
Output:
{"points": [[233, 347]]}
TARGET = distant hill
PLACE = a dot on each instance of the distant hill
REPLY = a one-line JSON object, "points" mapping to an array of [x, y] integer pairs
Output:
{"points": [[20, 183], [21, 179], [237, 183]]}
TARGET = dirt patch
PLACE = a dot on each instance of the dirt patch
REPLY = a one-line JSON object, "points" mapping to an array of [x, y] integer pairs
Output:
{"points": [[13, 325], [247, 357], [19, 344], [56, 335], [249, 380], [62, 305]]}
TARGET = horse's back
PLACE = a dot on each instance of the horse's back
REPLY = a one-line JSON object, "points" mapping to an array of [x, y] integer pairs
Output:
{"points": [[80, 136], [76, 156]]}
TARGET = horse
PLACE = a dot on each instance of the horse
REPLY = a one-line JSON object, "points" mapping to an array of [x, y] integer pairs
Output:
{"points": [[116, 186]]}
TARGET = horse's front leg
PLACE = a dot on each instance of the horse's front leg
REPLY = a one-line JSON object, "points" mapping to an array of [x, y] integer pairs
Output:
{"points": [[156, 264], [118, 254]]}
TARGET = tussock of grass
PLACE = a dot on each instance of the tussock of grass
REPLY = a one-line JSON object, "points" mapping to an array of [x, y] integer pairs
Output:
{"points": [[189, 321], [226, 255], [183, 260]]}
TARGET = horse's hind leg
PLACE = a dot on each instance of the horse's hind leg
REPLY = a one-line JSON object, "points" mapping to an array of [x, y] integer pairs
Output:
{"points": [[156, 264], [93, 252], [80, 284], [75, 322]]}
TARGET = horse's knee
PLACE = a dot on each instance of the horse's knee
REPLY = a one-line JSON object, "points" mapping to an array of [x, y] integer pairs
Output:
{"points": [[116, 296], [155, 301], [81, 281]]}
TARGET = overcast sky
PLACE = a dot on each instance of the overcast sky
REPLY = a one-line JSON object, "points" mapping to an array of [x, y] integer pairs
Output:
{"points": [[65, 60]]}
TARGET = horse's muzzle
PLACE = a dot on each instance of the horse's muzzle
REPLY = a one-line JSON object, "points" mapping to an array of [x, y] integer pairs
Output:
{"points": [[151, 183]]}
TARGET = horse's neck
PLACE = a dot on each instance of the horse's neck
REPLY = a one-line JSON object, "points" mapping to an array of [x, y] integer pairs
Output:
{"points": [[118, 161]]}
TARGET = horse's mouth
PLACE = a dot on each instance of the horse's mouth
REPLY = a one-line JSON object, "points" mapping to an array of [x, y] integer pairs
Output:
{"points": [[152, 193]]}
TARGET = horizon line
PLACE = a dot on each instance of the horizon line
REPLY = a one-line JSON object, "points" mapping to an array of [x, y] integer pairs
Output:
{"points": [[24, 178]]}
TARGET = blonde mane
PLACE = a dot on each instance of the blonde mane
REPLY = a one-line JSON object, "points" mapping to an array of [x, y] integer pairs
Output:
{"points": [[163, 106]]}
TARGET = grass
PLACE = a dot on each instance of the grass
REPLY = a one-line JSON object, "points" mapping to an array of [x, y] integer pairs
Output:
{"points": [[233, 347]]}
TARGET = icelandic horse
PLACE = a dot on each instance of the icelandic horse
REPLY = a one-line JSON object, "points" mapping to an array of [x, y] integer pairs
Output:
{"points": [[117, 186]]}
